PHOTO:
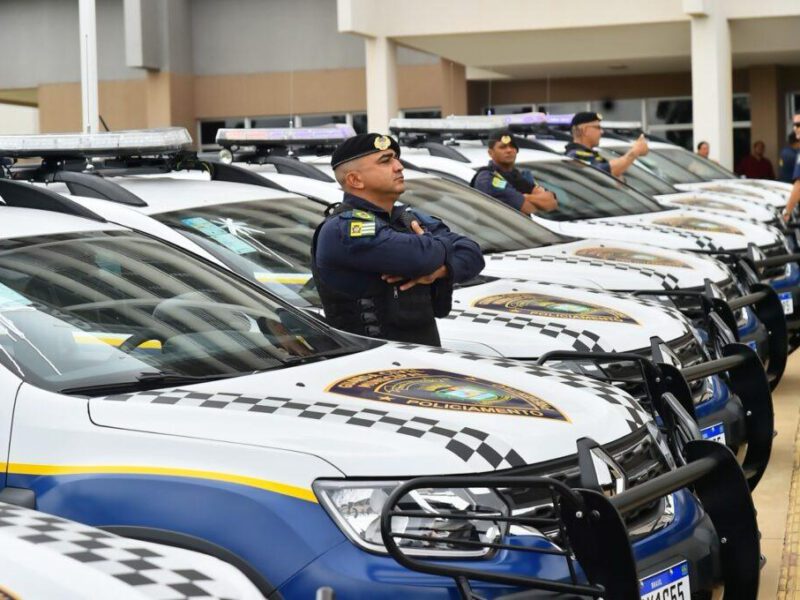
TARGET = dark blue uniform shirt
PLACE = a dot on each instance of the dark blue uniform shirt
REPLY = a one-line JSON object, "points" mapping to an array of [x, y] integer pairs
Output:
{"points": [[587, 155], [786, 164], [796, 172], [355, 247], [494, 182]]}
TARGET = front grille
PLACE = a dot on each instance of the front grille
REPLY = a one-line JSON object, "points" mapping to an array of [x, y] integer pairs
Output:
{"points": [[638, 456], [778, 271], [689, 353]]}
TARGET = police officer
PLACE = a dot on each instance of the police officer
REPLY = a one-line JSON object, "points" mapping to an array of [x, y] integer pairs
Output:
{"points": [[788, 157], [586, 134], [794, 195], [502, 180], [383, 270]]}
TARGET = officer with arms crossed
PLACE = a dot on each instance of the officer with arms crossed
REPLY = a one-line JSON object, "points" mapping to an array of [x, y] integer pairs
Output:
{"points": [[586, 134], [794, 195], [502, 180], [382, 270]]}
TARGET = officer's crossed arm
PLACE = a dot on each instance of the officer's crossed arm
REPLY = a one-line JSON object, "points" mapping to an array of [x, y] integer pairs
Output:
{"points": [[464, 258], [373, 247], [497, 187]]}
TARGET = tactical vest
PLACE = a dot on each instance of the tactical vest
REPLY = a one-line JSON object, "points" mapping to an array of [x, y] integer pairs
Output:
{"points": [[514, 177], [382, 310]]}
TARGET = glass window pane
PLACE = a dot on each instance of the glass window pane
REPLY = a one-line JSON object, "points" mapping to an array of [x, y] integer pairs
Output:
{"points": [[741, 107], [280, 121], [360, 122], [316, 120], [422, 114], [208, 129], [619, 110], [661, 111]]}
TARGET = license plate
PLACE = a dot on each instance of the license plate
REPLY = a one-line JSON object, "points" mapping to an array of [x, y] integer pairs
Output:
{"points": [[669, 584], [788, 304], [715, 433]]}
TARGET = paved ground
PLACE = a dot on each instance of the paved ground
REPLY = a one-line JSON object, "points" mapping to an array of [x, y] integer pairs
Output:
{"points": [[777, 497]]}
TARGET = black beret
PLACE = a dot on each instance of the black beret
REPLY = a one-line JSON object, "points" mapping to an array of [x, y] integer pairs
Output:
{"points": [[585, 117], [362, 145], [504, 136]]}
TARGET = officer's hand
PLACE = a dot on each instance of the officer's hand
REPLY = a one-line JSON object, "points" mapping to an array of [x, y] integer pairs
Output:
{"points": [[640, 147], [425, 279], [547, 201], [787, 214], [417, 228]]}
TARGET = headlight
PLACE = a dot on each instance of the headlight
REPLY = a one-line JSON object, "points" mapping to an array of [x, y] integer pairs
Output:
{"points": [[356, 507]]}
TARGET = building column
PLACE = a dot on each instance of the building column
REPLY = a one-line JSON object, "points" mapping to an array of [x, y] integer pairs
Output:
{"points": [[766, 110], [454, 87], [712, 89], [382, 103]]}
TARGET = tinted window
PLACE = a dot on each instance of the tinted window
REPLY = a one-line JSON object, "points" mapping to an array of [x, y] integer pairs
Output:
{"points": [[496, 227], [97, 308], [584, 192], [697, 165]]}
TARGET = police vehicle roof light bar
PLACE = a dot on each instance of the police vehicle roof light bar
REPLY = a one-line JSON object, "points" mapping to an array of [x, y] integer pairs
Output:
{"points": [[284, 136], [453, 125], [134, 142]]}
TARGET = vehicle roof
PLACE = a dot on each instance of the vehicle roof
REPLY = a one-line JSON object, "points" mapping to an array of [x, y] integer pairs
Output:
{"points": [[24, 222], [165, 194]]}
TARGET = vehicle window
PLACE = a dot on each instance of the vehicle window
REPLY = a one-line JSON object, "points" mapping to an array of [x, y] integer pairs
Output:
{"points": [[584, 192], [641, 179], [268, 241], [96, 309], [702, 167], [663, 167], [493, 225]]}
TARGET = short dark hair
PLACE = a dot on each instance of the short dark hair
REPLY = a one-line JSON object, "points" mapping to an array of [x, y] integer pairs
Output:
{"points": [[701, 143]]}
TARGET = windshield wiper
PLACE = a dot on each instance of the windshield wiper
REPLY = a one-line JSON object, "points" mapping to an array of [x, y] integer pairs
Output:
{"points": [[146, 381]]}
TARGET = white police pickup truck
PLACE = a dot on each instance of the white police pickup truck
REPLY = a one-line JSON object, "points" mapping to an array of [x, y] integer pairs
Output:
{"points": [[228, 422], [44, 556]]}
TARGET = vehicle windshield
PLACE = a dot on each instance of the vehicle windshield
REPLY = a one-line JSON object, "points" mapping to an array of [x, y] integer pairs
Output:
{"points": [[702, 167], [90, 311], [661, 166], [642, 180], [268, 241], [584, 192], [493, 225]]}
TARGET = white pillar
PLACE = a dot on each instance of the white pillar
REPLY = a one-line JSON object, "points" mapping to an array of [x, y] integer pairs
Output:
{"points": [[712, 88], [88, 39], [382, 103]]}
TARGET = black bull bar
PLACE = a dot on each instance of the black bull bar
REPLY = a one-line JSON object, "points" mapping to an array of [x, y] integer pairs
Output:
{"points": [[740, 368], [591, 535], [764, 302]]}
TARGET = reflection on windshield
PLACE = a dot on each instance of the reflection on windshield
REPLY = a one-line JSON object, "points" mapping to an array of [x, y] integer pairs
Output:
{"points": [[641, 179], [98, 308], [494, 226], [584, 192], [697, 165]]}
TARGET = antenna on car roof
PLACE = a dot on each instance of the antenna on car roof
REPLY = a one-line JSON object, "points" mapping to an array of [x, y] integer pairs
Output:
{"points": [[26, 195]]}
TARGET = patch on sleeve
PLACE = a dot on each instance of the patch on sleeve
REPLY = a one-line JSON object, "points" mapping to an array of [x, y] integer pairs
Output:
{"points": [[362, 229], [499, 183]]}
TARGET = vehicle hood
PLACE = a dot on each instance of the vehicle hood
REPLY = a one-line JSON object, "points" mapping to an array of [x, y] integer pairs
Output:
{"points": [[719, 203], [523, 319], [752, 191], [677, 229], [612, 265], [395, 410]]}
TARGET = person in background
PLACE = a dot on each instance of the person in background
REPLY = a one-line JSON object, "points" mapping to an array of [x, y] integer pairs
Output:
{"points": [[703, 149], [794, 195], [788, 157], [756, 165]]}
